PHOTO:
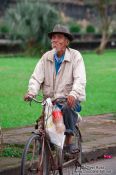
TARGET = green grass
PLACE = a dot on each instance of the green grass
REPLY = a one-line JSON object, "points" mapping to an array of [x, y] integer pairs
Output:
{"points": [[101, 83], [11, 151], [16, 71]]}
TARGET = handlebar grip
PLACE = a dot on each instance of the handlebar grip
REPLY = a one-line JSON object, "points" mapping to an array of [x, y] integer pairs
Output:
{"points": [[34, 99]]}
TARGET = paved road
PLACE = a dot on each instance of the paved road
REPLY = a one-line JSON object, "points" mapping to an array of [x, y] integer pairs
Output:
{"points": [[101, 167], [99, 138]]}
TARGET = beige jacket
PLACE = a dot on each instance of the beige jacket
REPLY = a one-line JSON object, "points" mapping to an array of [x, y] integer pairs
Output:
{"points": [[70, 80]]}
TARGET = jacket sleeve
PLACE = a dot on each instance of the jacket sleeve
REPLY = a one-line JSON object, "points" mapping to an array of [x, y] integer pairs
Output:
{"points": [[79, 75], [37, 78]]}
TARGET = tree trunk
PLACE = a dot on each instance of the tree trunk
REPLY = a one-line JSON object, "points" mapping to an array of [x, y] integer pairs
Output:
{"points": [[103, 43], [105, 25]]}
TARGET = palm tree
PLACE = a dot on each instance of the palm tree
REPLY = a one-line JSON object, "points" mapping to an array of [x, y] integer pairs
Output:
{"points": [[31, 21]]}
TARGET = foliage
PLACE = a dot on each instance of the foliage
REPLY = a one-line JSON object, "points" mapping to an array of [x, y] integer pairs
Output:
{"points": [[11, 151], [31, 21], [75, 28], [90, 29], [16, 71], [4, 29]]}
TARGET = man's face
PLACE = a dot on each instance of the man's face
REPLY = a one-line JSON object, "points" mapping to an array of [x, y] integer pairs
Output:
{"points": [[59, 42]]}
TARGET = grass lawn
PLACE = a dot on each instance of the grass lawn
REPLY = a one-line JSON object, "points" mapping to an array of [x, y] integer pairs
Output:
{"points": [[14, 76]]}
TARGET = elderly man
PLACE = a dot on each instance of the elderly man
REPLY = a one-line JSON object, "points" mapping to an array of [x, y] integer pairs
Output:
{"points": [[61, 73]]}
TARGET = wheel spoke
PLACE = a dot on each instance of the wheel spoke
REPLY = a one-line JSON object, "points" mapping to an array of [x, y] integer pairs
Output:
{"points": [[32, 161], [37, 160], [72, 162]]}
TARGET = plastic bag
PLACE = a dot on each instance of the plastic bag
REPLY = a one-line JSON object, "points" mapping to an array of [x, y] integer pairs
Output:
{"points": [[56, 137], [57, 117]]}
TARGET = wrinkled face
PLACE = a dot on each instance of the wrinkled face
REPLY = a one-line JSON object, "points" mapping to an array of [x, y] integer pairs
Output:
{"points": [[59, 42]]}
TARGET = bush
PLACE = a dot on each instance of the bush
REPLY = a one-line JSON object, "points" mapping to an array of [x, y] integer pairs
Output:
{"points": [[75, 28], [11, 151], [4, 29], [90, 29], [31, 21]]}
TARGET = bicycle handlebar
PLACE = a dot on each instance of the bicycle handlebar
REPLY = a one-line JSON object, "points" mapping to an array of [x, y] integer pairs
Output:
{"points": [[59, 99], [33, 99]]}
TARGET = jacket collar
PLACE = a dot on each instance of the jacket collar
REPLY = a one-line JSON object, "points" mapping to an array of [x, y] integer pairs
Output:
{"points": [[66, 56]]}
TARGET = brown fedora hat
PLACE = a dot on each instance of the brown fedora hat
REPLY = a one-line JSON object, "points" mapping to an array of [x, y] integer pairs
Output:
{"points": [[62, 30]]}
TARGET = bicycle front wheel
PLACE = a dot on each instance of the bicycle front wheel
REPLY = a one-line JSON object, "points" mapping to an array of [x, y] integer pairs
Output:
{"points": [[34, 162]]}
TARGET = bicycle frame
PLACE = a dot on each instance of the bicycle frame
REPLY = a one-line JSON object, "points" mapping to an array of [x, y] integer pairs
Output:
{"points": [[46, 140], [46, 144]]}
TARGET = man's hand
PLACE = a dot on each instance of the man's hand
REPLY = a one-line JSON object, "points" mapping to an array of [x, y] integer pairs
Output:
{"points": [[71, 100], [27, 97]]}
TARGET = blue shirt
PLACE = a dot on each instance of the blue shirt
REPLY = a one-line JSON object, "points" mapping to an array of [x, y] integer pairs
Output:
{"points": [[58, 62]]}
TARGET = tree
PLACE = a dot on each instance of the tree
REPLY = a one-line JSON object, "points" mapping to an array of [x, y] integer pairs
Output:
{"points": [[31, 21], [106, 20]]}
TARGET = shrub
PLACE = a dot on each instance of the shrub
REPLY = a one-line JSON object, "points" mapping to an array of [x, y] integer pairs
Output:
{"points": [[75, 28], [90, 29], [31, 21], [11, 151], [4, 29]]}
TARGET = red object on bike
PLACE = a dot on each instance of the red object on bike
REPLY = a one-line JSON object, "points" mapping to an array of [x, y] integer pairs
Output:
{"points": [[57, 115]]}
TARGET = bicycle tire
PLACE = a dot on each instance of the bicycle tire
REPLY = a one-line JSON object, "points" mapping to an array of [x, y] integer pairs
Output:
{"points": [[32, 161], [55, 164], [72, 162], [79, 160], [60, 160]]}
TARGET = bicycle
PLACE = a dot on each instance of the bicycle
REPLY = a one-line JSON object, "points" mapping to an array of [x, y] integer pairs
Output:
{"points": [[41, 157]]}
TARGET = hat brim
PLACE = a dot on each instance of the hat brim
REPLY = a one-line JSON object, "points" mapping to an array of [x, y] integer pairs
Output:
{"points": [[69, 36]]}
